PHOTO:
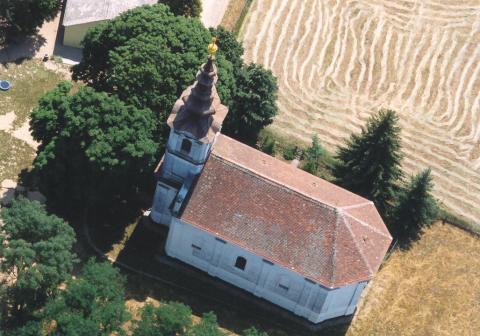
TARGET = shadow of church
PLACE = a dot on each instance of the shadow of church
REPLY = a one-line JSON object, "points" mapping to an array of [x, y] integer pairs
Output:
{"points": [[153, 274]]}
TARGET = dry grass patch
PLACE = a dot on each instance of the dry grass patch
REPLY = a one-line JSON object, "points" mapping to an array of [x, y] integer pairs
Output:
{"points": [[235, 14], [431, 289], [30, 80], [15, 155]]}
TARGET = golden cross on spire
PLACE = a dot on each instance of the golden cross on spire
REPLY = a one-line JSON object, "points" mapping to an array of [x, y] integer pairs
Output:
{"points": [[212, 48]]}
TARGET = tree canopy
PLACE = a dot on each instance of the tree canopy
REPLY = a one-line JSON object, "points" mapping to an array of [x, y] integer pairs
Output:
{"points": [[208, 326], [148, 56], [415, 208], [22, 18], [228, 46], [167, 319], [38, 255], [191, 8], [89, 142], [92, 304], [369, 163], [253, 104]]}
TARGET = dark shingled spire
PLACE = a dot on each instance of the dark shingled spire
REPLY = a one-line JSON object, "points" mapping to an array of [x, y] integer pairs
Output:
{"points": [[199, 102], [199, 110]]}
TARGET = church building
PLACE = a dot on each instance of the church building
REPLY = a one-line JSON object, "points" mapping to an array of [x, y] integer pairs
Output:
{"points": [[259, 223]]}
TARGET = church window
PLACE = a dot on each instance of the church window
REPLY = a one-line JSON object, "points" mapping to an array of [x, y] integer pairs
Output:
{"points": [[240, 263], [197, 247], [186, 146], [284, 284]]}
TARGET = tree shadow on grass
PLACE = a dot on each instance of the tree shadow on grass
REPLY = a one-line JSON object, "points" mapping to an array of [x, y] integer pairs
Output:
{"points": [[23, 49], [107, 225], [165, 279]]}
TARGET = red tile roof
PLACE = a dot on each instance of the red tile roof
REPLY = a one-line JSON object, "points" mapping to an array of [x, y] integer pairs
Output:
{"points": [[287, 216]]}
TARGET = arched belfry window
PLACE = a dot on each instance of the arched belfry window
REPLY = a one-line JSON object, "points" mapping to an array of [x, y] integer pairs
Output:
{"points": [[240, 263], [186, 146]]}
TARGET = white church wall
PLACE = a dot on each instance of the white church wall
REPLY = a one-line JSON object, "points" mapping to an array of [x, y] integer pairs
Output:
{"points": [[164, 196], [177, 168], [261, 277]]}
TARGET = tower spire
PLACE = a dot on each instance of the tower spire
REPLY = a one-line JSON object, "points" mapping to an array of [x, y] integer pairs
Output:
{"points": [[199, 102]]}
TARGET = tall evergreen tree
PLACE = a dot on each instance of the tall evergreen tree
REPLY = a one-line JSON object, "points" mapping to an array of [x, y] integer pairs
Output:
{"points": [[416, 207], [312, 157], [369, 163]]}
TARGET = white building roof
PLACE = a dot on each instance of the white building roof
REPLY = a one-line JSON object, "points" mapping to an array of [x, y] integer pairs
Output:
{"points": [[84, 11]]}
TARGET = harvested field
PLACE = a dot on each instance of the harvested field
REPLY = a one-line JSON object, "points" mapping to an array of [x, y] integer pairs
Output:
{"points": [[339, 61], [431, 289]]}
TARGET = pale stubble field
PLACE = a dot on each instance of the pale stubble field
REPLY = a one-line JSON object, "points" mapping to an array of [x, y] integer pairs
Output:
{"points": [[339, 61]]}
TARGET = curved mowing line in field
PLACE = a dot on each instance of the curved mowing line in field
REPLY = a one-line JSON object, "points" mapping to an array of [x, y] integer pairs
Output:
{"points": [[338, 61]]}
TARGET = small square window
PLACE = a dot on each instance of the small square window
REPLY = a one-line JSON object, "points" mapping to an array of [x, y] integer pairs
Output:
{"points": [[284, 283], [186, 146], [241, 263]]}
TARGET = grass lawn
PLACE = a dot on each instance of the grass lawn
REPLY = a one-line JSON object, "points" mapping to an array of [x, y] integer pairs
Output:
{"points": [[30, 80]]}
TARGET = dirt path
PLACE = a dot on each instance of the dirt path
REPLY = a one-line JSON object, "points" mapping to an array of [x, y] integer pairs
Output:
{"points": [[21, 133], [35, 46], [339, 61], [213, 11]]}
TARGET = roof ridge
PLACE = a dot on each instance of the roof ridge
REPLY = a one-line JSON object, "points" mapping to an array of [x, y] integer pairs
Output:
{"points": [[334, 246], [287, 165], [346, 213], [359, 205], [359, 249], [253, 172]]}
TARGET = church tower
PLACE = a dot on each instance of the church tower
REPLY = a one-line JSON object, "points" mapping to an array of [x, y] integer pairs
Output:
{"points": [[194, 123]]}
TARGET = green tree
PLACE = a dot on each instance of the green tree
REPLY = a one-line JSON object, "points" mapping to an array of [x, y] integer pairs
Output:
{"points": [[228, 46], [168, 319], [148, 56], [253, 332], [38, 256], [313, 156], [208, 326], [92, 304], [22, 17], [369, 163], [415, 208], [93, 146], [191, 8], [31, 328], [253, 104]]}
